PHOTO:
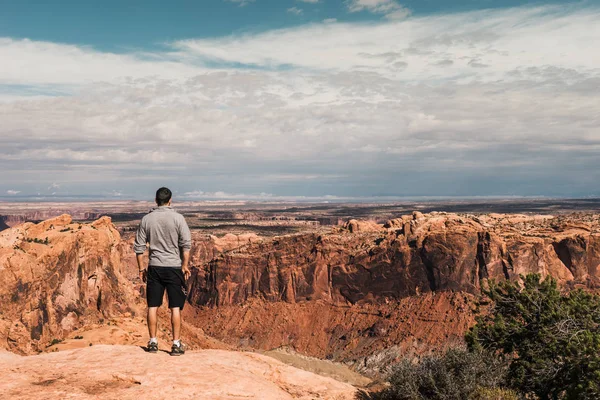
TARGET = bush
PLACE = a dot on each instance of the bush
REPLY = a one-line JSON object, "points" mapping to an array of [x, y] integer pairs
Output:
{"points": [[494, 394], [454, 375], [552, 340], [36, 240]]}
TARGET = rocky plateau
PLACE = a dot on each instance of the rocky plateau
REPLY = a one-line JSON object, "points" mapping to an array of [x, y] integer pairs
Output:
{"points": [[360, 293], [125, 372]]}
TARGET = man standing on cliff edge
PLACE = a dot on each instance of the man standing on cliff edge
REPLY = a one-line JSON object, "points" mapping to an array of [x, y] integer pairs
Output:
{"points": [[169, 240]]}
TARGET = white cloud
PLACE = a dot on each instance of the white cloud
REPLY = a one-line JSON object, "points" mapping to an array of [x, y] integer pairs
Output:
{"points": [[399, 13], [309, 1], [13, 192], [241, 3], [69, 65], [504, 39], [502, 98], [295, 10], [220, 195], [391, 8]]}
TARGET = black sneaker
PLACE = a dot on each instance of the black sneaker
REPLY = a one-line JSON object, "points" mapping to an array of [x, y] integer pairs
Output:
{"points": [[178, 350], [152, 347]]}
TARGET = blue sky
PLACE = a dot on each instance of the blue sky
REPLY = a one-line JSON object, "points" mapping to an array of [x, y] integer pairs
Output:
{"points": [[316, 99], [116, 25]]}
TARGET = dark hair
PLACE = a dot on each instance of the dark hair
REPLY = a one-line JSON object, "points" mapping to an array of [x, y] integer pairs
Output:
{"points": [[163, 195]]}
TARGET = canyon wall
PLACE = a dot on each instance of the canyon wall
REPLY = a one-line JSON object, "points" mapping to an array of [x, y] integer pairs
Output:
{"points": [[58, 276], [366, 262], [362, 293], [8, 221], [369, 294]]}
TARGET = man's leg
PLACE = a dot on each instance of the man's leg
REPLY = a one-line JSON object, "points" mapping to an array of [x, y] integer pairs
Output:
{"points": [[175, 284], [154, 295], [176, 322], [152, 321]]}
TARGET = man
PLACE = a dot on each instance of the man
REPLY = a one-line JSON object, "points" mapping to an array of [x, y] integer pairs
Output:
{"points": [[170, 241]]}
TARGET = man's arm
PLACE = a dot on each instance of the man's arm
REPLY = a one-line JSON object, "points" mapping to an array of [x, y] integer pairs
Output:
{"points": [[141, 266], [185, 264], [185, 244], [139, 247]]}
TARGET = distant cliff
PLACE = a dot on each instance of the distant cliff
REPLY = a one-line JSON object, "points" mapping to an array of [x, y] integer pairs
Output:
{"points": [[366, 262], [7, 221]]}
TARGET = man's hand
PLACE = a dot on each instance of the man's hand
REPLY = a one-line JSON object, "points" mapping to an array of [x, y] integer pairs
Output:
{"points": [[143, 270], [143, 275], [185, 262]]}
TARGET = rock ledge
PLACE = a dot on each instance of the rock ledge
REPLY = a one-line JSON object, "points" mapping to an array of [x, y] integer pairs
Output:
{"points": [[127, 372]]}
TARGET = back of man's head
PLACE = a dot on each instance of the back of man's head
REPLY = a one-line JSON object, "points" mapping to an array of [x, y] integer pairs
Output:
{"points": [[163, 196]]}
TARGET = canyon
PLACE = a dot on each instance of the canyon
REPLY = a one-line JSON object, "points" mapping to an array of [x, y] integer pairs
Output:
{"points": [[369, 294], [362, 293]]}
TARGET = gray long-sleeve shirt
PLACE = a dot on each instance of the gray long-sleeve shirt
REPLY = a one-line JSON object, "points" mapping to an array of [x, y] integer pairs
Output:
{"points": [[167, 233]]}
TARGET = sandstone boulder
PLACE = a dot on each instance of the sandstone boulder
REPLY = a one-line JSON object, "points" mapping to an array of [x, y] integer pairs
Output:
{"points": [[355, 226]]}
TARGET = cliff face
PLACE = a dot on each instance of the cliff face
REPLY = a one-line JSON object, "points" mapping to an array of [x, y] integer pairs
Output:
{"points": [[370, 335], [7, 221], [411, 255], [370, 293], [58, 276], [363, 292]]}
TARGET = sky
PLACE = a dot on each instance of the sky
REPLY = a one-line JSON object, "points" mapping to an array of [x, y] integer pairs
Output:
{"points": [[299, 99]]}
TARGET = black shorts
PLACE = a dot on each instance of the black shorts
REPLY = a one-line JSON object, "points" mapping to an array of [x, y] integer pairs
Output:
{"points": [[161, 278]]}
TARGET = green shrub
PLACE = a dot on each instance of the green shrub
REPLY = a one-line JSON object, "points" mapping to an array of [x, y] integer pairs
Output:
{"points": [[36, 240], [494, 394], [552, 340], [454, 375]]}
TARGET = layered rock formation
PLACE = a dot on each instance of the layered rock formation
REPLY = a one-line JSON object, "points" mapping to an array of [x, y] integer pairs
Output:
{"points": [[58, 276], [365, 262], [7, 221], [61, 279], [205, 247], [363, 288], [360, 292], [370, 336]]}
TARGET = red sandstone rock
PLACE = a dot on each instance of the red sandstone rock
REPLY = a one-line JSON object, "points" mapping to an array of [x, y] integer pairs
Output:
{"points": [[297, 290], [367, 295], [438, 252], [413, 325], [58, 276], [355, 226], [7, 221], [127, 372]]}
